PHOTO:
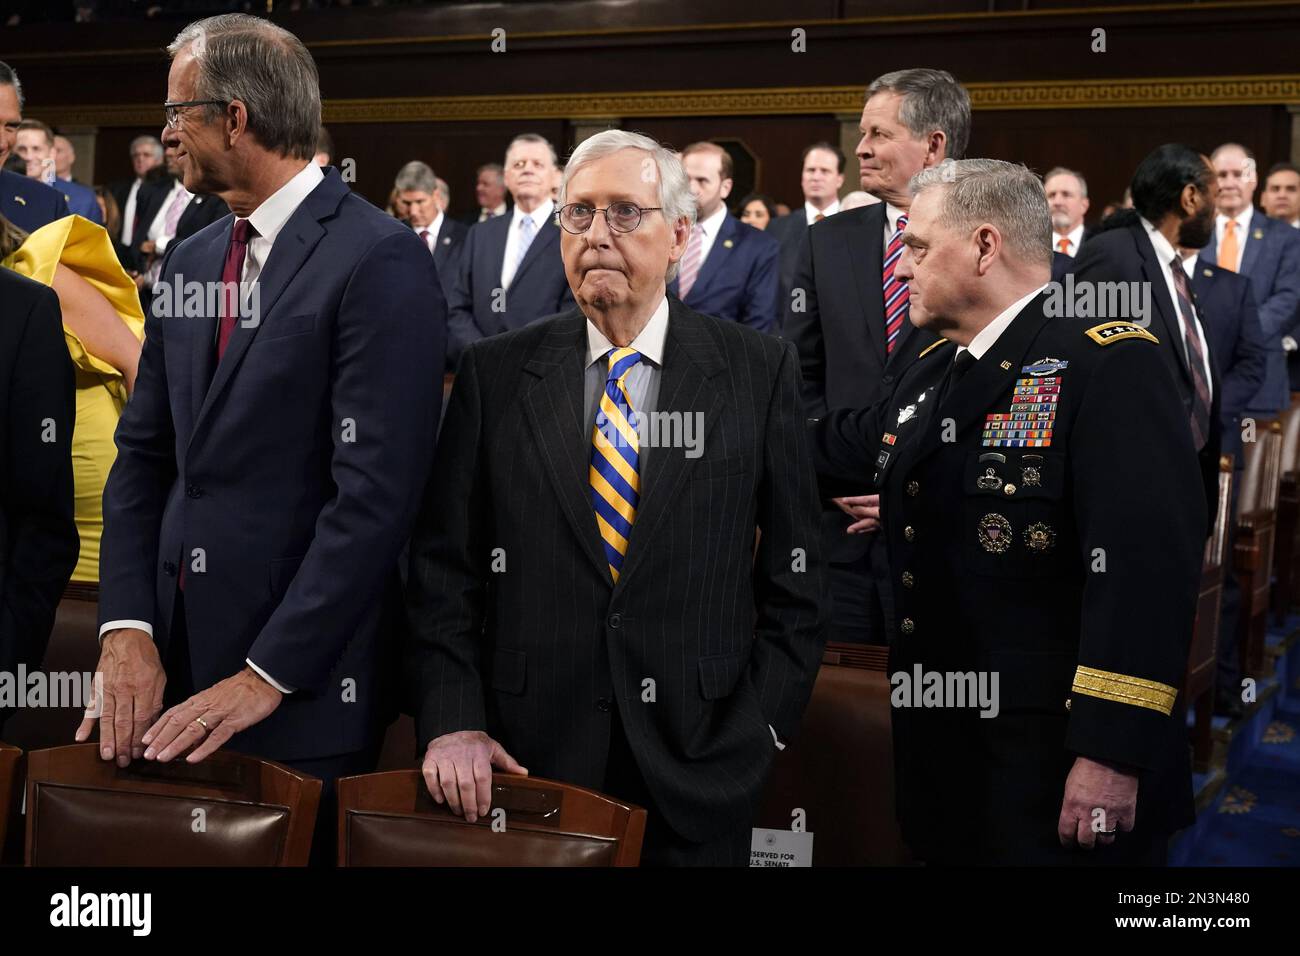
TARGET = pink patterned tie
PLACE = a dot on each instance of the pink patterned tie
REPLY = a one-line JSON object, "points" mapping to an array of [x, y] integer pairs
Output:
{"points": [[174, 213], [895, 289], [691, 261]]}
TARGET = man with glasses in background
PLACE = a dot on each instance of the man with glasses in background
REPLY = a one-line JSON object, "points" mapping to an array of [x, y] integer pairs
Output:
{"points": [[593, 609]]}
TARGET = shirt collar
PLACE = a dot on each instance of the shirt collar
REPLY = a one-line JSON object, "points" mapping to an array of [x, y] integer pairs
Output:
{"points": [[1164, 251], [1075, 236], [812, 212], [1189, 262], [714, 222], [892, 213], [988, 335], [269, 218], [432, 227], [650, 342], [1242, 219], [538, 215]]}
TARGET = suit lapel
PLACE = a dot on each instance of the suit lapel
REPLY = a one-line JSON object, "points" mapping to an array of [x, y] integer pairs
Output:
{"points": [[866, 247], [292, 248], [555, 407], [718, 256], [992, 376], [1254, 247], [548, 237], [203, 331], [691, 359]]}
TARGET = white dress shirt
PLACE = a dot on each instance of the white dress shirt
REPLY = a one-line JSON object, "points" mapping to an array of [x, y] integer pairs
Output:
{"points": [[1073, 237], [486, 214], [1243, 231], [539, 217], [812, 212], [1165, 255], [711, 228], [268, 219], [157, 233], [892, 214], [431, 240], [988, 335], [128, 214]]}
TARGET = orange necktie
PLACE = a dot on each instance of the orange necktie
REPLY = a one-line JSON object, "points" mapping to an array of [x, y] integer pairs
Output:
{"points": [[1228, 248], [819, 217], [1063, 244]]}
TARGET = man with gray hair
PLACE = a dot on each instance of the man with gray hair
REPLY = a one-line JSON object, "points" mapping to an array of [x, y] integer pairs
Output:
{"points": [[1042, 505], [847, 313], [271, 457], [510, 269], [146, 167], [593, 608], [417, 188], [1067, 197]]}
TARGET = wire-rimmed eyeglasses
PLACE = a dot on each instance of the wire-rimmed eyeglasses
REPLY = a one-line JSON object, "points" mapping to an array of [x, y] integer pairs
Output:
{"points": [[577, 217]]}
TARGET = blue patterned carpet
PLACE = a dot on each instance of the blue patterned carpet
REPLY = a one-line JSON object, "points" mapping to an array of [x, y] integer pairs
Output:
{"points": [[1257, 820]]}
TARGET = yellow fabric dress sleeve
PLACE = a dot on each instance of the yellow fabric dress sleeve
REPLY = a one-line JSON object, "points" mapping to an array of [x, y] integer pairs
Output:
{"points": [[87, 250]]}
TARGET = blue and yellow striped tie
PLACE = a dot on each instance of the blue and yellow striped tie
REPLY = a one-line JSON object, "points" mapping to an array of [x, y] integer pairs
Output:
{"points": [[614, 475]]}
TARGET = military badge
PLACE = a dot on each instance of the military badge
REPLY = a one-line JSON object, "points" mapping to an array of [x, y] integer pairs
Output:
{"points": [[1044, 366], [1040, 538], [994, 533], [989, 481], [906, 414], [889, 438]]}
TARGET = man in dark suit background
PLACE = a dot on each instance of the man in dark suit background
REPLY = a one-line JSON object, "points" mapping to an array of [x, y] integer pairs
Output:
{"points": [[847, 312], [634, 641], [417, 188], [38, 537], [267, 447], [490, 193], [1067, 197], [1240, 351], [821, 178], [23, 201], [1173, 189], [147, 156], [1268, 251], [510, 269], [729, 269]]}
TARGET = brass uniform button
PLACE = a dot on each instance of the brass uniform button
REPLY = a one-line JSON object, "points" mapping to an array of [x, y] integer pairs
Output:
{"points": [[907, 627], [909, 533], [1008, 489], [1067, 703], [908, 580], [913, 488]]}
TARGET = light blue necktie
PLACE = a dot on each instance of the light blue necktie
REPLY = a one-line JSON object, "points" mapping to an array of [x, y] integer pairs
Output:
{"points": [[526, 227]]}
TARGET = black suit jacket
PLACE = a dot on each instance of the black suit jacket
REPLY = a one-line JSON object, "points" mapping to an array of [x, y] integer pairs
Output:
{"points": [[1238, 344], [38, 537], [203, 210], [1125, 254], [789, 232], [839, 330], [994, 544], [539, 650]]}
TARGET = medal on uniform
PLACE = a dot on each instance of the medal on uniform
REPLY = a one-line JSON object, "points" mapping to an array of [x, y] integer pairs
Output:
{"points": [[1028, 422], [1039, 537], [1031, 476], [994, 533], [989, 481]]}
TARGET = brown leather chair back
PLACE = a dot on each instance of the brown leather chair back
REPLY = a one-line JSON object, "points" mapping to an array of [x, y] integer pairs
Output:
{"points": [[840, 771], [1263, 471], [1290, 421], [1198, 682], [11, 759], [82, 811], [389, 819]]}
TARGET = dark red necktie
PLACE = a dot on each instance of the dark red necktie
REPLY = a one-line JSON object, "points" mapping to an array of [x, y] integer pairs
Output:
{"points": [[1200, 413], [230, 276]]}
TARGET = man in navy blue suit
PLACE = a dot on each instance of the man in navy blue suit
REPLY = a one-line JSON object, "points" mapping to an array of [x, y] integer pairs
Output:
{"points": [[35, 144], [417, 188], [272, 455], [1266, 250], [24, 202], [511, 273], [730, 269]]}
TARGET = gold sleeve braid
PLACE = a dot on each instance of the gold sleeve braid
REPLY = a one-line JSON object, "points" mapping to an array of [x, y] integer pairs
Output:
{"points": [[1123, 689]]}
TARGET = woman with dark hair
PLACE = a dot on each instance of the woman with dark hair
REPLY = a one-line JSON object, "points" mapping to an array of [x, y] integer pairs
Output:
{"points": [[757, 210], [103, 327]]}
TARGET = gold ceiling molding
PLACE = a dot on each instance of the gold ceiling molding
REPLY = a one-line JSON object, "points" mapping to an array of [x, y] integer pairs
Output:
{"points": [[1058, 94]]}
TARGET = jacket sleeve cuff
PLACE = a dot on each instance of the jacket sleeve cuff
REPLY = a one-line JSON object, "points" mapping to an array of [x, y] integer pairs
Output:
{"points": [[117, 625], [268, 678]]}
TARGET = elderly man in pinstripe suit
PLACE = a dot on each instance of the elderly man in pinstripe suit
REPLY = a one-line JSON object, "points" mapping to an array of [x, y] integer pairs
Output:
{"points": [[585, 596]]}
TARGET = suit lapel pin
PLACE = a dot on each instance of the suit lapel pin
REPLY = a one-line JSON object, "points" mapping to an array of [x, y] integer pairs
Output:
{"points": [[1259, 234], [727, 243], [1208, 274], [446, 240], [20, 200]]}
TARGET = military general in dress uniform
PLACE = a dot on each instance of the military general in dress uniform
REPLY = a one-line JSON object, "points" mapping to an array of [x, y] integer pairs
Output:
{"points": [[1043, 510]]}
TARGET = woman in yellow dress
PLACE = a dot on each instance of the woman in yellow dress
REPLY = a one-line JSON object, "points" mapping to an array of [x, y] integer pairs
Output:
{"points": [[103, 326]]}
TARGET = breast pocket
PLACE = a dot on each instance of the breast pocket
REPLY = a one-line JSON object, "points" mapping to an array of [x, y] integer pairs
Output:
{"points": [[1015, 515], [284, 326]]}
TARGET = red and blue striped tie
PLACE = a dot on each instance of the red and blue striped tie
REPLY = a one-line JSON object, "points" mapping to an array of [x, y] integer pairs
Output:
{"points": [[895, 289]]}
